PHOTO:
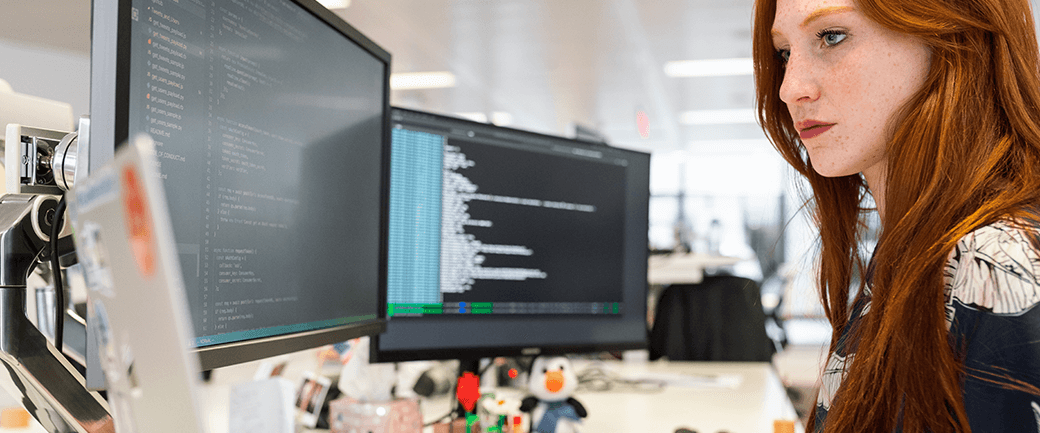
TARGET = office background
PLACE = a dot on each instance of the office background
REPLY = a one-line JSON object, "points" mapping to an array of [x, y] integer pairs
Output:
{"points": [[616, 67]]}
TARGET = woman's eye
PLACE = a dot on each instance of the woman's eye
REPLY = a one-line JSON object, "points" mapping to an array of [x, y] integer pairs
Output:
{"points": [[832, 37], [783, 55]]}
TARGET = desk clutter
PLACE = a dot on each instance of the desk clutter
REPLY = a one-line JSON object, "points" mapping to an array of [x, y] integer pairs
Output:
{"points": [[548, 394], [463, 425], [628, 395], [347, 415]]}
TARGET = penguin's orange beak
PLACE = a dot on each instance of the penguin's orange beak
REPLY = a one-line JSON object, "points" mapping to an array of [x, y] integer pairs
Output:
{"points": [[554, 381]]}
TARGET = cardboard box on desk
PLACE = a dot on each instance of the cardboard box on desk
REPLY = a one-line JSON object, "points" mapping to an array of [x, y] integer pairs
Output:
{"points": [[347, 415]]}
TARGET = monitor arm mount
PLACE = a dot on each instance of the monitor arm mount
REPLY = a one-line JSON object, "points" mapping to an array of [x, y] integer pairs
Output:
{"points": [[52, 389]]}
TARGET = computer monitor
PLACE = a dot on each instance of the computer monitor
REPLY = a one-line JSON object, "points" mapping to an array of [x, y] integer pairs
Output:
{"points": [[505, 243], [270, 121]]}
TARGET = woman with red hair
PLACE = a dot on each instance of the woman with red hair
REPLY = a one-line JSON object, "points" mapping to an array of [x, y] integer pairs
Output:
{"points": [[932, 108]]}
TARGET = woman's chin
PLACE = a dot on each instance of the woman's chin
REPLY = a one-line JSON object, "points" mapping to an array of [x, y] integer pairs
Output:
{"points": [[834, 171]]}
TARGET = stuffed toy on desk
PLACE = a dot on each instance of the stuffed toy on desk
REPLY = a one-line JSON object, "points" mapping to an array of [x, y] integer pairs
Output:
{"points": [[553, 410]]}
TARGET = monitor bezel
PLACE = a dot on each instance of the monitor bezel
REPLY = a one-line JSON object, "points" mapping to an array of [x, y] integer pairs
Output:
{"points": [[469, 353], [109, 101]]}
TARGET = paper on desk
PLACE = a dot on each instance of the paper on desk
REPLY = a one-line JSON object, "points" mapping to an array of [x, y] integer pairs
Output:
{"points": [[264, 406], [679, 380]]}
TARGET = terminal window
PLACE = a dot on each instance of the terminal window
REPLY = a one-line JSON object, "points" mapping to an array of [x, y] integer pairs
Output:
{"points": [[485, 220]]}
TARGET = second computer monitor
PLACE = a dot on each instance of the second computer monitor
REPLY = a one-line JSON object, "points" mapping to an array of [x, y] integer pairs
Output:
{"points": [[506, 242], [270, 121]]}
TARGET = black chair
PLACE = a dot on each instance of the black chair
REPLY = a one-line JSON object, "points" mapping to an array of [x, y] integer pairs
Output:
{"points": [[720, 319]]}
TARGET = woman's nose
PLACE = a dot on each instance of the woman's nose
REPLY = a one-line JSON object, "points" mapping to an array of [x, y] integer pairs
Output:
{"points": [[799, 84]]}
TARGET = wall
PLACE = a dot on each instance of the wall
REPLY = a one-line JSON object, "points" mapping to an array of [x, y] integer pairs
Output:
{"points": [[48, 73]]}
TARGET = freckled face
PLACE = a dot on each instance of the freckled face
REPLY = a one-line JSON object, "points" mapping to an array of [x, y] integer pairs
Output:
{"points": [[845, 77]]}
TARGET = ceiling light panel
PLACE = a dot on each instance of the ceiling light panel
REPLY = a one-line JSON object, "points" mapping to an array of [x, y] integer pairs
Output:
{"points": [[709, 68], [718, 117], [422, 80]]}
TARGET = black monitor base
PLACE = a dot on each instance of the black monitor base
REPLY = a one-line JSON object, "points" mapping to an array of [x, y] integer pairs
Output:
{"points": [[465, 386]]}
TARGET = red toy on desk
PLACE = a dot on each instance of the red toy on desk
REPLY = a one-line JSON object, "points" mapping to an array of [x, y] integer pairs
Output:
{"points": [[553, 410], [467, 391]]}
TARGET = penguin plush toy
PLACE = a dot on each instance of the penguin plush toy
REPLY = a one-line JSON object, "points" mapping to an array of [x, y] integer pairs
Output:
{"points": [[553, 409]]}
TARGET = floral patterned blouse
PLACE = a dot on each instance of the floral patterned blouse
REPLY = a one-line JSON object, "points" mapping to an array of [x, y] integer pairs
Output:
{"points": [[992, 291]]}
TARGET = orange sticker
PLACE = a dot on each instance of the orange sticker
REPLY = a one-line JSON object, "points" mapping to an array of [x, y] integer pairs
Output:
{"points": [[138, 222]]}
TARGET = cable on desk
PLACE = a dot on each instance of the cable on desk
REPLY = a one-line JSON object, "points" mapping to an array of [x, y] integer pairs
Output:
{"points": [[455, 401], [596, 378]]}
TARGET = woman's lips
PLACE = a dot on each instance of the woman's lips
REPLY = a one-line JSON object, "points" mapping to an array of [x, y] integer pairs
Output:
{"points": [[813, 129]]}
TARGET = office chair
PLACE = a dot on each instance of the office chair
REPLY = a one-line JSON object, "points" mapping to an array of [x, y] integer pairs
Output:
{"points": [[720, 319]]}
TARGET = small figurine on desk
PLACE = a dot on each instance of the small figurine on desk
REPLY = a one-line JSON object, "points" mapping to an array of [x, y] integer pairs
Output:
{"points": [[553, 410]]}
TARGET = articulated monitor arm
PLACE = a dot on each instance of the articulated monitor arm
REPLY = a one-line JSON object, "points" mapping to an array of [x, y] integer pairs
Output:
{"points": [[52, 390]]}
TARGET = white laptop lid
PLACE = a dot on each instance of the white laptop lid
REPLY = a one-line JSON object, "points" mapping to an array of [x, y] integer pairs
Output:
{"points": [[125, 242]]}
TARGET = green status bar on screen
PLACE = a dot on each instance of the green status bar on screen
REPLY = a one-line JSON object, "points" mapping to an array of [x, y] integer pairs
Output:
{"points": [[415, 309]]}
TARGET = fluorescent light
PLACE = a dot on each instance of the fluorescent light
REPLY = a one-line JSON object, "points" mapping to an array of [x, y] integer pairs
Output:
{"points": [[335, 4], [501, 118], [422, 80], [718, 117], [709, 68], [730, 146], [474, 116]]}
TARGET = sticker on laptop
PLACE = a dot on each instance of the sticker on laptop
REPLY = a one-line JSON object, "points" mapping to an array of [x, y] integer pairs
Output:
{"points": [[138, 222]]}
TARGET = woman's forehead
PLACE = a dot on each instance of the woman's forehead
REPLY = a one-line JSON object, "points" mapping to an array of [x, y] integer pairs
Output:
{"points": [[794, 15], [801, 13]]}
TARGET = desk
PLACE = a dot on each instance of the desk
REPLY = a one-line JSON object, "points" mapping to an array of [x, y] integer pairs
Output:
{"points": [[750, 407], [683, 268]]}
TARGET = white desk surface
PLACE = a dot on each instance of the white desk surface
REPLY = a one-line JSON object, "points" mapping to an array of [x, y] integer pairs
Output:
{"points": [[683, 268], [748, 407]]}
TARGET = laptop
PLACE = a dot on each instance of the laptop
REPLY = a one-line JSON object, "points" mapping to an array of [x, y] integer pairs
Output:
{"points": [[126, 246]]}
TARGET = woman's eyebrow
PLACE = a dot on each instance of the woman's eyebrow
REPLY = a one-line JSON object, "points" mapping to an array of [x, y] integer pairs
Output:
{"points": [[817, 14], [822, 12]]}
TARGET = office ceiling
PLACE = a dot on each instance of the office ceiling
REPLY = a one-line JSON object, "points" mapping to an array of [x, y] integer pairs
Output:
{"points": [[545, 63], [549, 63]]}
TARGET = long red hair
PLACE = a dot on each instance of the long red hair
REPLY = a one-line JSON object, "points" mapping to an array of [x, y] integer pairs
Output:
{"points": [[965, 153]]}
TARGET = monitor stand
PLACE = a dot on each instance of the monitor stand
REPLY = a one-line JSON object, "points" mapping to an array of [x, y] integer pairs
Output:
{"points": [[51, 388], [467, 386]]}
